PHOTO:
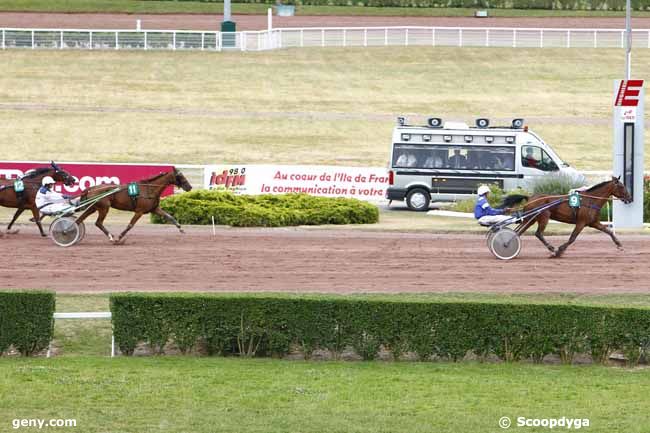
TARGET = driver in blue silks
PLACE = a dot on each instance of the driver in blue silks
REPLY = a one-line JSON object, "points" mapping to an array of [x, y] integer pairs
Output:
{"points": [[485, 214]]}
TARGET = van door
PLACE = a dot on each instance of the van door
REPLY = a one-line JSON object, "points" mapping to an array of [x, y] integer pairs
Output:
{"points": [[534, 162]]}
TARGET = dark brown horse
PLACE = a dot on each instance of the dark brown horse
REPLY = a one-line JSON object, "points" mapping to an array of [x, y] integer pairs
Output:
{"points": [[27, 198], [587, 215], [148, 200]]}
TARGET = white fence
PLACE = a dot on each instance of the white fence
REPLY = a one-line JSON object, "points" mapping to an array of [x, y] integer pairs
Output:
{"points": [[319, 37]]}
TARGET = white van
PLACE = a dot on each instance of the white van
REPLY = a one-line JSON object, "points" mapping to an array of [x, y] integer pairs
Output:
{"points": [[449, 161]]}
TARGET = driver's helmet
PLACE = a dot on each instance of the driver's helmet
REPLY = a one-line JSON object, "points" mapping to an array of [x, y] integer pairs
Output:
{"points": [[483, 189], [47, 180]]}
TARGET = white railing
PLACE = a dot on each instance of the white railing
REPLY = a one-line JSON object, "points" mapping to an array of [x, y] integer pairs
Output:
{"points": [[319, 37]]}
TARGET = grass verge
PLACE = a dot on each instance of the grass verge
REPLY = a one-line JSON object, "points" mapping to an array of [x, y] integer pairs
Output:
{"points": [[297, 106], [177, 394]]}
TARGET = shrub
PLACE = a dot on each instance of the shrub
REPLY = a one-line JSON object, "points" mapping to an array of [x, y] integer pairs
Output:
{"points": [[26, 321], [269, 325], [198, 207], [556, 184]]}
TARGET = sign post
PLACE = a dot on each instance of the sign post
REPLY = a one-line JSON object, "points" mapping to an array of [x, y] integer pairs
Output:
{"points": [[628, 150]]}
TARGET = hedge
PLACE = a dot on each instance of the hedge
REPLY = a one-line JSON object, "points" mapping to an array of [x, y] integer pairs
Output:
{"points": [[616, 5], [198, 207], [267, 325], [26, 321]]}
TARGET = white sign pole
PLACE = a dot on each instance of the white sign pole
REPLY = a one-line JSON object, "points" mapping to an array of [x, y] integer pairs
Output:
{"points": [[628, 150]]}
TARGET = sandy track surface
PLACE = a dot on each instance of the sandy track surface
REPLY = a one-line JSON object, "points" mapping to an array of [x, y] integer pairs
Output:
{"points": [[308, 260], [258, 22]]}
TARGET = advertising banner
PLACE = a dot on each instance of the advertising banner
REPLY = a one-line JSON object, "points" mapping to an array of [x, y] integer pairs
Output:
{"points": [[90, 174], [363, 183]]}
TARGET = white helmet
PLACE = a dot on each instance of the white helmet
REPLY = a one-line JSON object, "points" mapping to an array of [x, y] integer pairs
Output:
{"points": [[483, 189], [47, 180]]}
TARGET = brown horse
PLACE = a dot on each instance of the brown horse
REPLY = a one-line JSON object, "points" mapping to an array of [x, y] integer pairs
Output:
{"points": [[27, 198], [587, 215], [148, 200]]}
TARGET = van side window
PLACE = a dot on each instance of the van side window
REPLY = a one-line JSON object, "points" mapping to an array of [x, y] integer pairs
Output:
{"points": [[497, 158], [536, 157]]}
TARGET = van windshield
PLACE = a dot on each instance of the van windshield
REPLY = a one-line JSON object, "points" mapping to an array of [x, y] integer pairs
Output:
{"points": [[457, 157]]}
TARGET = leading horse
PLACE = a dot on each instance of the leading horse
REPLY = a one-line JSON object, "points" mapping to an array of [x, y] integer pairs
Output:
{"points": [[26, 199], [147, 200], [587, 215]]}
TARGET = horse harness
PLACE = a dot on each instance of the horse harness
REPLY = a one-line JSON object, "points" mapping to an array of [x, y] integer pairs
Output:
{"points": [[575, 203]]}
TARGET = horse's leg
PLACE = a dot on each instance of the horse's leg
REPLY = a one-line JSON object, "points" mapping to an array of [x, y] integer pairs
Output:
{"points": [[37, 220], [572, 238], [158, 211], [598, 226], [101, 214], [16, 215], [134, 220], [542, 221]]}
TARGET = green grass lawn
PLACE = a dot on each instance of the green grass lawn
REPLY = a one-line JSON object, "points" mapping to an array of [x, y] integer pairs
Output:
{"points": [[297, 106], [201, 394], [186, 394], [150, 6]]}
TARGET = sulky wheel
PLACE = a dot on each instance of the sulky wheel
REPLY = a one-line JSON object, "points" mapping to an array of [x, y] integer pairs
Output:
{"points": [[82, 231], [505, 244], [64, 231], [488, 237]]}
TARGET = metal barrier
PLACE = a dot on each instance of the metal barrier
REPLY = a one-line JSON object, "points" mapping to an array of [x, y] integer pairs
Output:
{"points": [[318, 37]]}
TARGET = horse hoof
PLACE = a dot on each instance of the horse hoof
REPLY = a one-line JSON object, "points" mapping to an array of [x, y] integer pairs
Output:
{"points": [[621, 249], [182, 231], [12, 231], [43, 235]]}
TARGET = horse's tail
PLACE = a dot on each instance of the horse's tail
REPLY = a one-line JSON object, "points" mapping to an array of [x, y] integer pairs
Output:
{"points": [[512, 200]]}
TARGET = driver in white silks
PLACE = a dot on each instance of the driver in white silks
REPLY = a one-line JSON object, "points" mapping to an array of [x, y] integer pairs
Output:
{"points": [[50, 202], [484, 213]]}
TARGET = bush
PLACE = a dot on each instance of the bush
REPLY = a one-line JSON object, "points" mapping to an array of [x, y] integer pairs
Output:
{"points": [[255, 325], [646, 199], [198, 207], [555, 184], [26, 321]]}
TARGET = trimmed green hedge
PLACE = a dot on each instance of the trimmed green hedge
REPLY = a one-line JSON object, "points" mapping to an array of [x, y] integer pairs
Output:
{"points": [[617, 5], [254, 325], [26, 321], [198, 207]]}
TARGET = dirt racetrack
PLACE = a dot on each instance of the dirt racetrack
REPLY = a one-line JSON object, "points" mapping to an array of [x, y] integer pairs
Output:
{"points": [[317, 260]]}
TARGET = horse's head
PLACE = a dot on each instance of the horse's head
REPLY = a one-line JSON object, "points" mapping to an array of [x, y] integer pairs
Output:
{"points": [[181, 181], [60, 175], [619, 190]]}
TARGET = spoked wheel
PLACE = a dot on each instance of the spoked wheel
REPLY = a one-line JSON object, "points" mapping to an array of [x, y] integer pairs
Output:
{"points": [[505, 244], [64, 231], [82, 231]]}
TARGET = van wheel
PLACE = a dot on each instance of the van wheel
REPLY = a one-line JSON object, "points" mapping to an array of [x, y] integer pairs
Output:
{"points": [[418, 199]]}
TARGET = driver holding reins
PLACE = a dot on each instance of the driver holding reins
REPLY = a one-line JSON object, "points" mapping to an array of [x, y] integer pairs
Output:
{"points": [[485, 214], [51, 202]]}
